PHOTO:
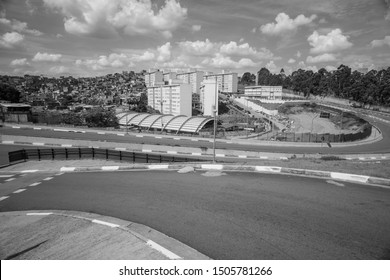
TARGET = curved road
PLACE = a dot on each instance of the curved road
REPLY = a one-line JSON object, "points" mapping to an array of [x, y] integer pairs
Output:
{"points": [[232, 216]]}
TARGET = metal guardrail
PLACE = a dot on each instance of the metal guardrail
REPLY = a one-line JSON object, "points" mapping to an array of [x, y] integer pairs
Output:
{"points": [[81, 153]]}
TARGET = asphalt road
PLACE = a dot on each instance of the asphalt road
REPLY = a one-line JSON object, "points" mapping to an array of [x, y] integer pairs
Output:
{"points": [[378, 147], [234, 216]]}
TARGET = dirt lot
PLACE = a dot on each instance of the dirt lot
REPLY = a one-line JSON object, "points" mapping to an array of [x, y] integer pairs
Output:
{"points": [[302, 122]]}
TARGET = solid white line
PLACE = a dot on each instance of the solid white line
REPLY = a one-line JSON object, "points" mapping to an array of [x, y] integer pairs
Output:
{"points": [[19, 191], [7, 142], [212, 166], [105, 223], [10, 179], [67, 169], [34, 184], [110, 168], [159, 166], [6, 176], [29, 171], [163, 250], [39, 214], [48, 178], [3, 197]]}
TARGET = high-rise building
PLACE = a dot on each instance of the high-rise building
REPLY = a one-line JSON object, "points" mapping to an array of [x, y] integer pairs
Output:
{"points": [[209, 97], [227, 82], [194, 78], [153, 77], [175, 99]]}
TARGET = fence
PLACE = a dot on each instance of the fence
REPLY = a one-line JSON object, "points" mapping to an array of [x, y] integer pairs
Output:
{"points": [[79, 153], [326, 138]]}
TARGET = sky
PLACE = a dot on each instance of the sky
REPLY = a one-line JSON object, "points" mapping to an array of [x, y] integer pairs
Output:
{"points": [[85, 38]]}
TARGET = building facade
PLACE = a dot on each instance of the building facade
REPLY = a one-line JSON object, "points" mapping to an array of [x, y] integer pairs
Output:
{"points": [[153, 77], [227, 82], [175, 99], [264, 92], [193, 78]]}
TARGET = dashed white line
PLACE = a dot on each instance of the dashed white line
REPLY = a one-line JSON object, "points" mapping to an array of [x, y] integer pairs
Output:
{"points": [[19, 191], [34, 184], [3, 198], [10, 179], [6, 176], [48, 178]]}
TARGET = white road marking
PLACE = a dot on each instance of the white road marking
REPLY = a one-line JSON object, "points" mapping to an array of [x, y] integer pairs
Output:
{"points": [[101, 133], [120, 149], [146, 151], [29, 171], [121, 134], [19, 191], [349, 177], [220, 155], [335, 183], [212, 166], [163, 250], [172, 152], [48, 178], [158, 137], [196, 154], [194, 140], [175, 138], [16, 127], [159, 166], [283, 158], [61, 130], [10, 179], [39, 214], [275, 169], [105, 223], [263, 157], [242, 156], [37, 128], [66, 145], [34, 184], [110, 168], [67, 169], [3, 198], [362, 158], [38, 144], [59, 174], [373, 157], [6, 176], [7, 142], [140, 136]]}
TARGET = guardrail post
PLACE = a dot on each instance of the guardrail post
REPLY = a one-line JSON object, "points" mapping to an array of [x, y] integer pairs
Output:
{"points": [[66, 153], [52, 154], [39, 154], [79, 153], [93, 153], [133, 157], [106, 154]]}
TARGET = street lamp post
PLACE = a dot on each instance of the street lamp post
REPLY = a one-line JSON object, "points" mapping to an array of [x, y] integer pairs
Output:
{"points": [[312, 121]]}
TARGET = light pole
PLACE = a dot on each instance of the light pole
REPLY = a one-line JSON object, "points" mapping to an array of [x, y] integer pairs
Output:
{"points": [[127, 124], [215, 110], [162, 115]]}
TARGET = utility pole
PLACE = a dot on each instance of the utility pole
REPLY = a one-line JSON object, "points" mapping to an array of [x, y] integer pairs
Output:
{"points": [[215, 110]]}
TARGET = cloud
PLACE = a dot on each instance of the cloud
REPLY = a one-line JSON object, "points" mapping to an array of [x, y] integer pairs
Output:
{"points": [[221, 61], [19, 26], [284, 23], [197, 48], [326, 57], [330, 68], [291, 60], [11, 39], [233, 48], [59, 70], [271, 67], [106, 18], [381, 43], [333, 41], [196, 28], [19, 62], [164, 52], [298, 54], [46, 57]]}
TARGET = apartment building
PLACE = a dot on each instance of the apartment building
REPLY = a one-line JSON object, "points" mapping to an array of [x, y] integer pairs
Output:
{"points": [[175, 99], [169, 76], [264, 92], [194, 78], [227, 82], [153, 77]]}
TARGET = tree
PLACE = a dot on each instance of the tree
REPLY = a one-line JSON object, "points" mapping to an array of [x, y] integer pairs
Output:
{"points": [[246, 79], [264, 76], [99, 117], [9, 93]]}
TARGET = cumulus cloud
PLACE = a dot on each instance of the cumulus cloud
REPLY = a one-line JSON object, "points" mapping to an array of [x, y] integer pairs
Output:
{"points": [[196, 27], [285, 23], [233, 48], [221, 61], [291, 60], [59, 69], [333, 41], [19, 62], [106, 18], [197, 47], [381, 43], [326, 57], [46, 57], [19, 26], [164, 52], [271, 66], [11, 39]]}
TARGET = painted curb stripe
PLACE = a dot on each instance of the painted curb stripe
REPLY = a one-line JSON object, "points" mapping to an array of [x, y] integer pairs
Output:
{"points": [[196, 154], [19, 191], [38, 144], [29, 171], [110, 168], [67, 169], [39, 214], [146, 151], [105, 223], [160, 166], [212, 166], [8, 142], [172, 152], [349, 177], [48, 179], [162, 250], [66, 145], [3, 198], [6, 176], [34, 184], [10, 179], [220, 155], [242, 156], [274, 169]]}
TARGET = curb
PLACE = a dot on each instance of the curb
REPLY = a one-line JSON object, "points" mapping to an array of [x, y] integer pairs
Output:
{"points": [[245, 168]]}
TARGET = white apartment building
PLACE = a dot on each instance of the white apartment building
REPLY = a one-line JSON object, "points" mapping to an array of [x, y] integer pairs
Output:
{"points": [[264, 92], [175, 99], [194, 78], [209, 97], [153, 77], [227, 82], [169, 76]]}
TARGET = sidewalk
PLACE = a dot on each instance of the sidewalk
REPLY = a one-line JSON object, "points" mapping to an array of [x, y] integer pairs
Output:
{"points": [[69, 235]]}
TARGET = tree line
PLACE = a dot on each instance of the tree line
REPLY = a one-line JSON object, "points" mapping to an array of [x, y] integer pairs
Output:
{"points": [[371, 88]]}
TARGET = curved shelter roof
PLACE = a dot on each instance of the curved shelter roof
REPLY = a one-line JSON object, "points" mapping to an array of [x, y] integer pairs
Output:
{"points": [[179, 123]]}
